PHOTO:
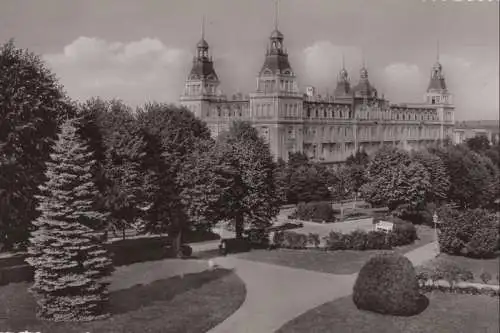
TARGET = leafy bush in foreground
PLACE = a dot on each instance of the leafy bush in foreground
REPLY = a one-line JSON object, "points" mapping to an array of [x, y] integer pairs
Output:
{"points": [[473, 233], [387, 284]]}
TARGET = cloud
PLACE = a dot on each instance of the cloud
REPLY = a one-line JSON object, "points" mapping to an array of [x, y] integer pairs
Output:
{"points": [[403, 82], [321, 62], [136, 71], [474, 86]]}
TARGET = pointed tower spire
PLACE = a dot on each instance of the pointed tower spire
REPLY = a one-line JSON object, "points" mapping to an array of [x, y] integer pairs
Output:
{"points": [[203, 27], [437, 51], [276, 14]]}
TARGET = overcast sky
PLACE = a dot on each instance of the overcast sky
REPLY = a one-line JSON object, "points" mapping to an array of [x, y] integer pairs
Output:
{"points": [[140, 50]]}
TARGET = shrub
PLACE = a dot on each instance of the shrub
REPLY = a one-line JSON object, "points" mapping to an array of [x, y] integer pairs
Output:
{"points": [[185, 251], [315, 211], [290, 240], [234, 245], [472, 232], [313, 239], [295, 240], [334, 241], [387, 284], [403, 233], [485, 277], [358, 240], [377, 240], [258, 237]]}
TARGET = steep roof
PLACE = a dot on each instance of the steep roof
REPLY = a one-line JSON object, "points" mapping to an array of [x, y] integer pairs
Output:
{"points": [[276, 63], [202, 69]]}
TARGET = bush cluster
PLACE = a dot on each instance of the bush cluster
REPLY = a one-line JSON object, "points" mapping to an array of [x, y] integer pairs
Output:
{"points": [[450, 272], [473, 232], [387, 284], [314, 211], [358, 240], [291, 240]]}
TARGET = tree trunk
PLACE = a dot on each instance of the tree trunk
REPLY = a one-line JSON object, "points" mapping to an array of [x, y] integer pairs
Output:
{"points": [[177, 242], [239, 226]]}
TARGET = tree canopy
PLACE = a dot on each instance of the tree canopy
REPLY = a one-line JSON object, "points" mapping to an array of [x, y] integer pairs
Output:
{"points": [[32, 106]]}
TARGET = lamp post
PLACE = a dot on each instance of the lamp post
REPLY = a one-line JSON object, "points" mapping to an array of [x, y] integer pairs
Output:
{"points": [[436, 222]]}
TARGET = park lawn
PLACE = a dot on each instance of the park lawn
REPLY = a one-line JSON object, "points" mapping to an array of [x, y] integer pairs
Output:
{"points": [[194, 302], [476, 266], [446, 313], [334, 262]]}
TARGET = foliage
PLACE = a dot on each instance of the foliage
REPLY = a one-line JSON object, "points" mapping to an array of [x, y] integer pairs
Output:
{"points": [[121, 173], [172, 135], [301, 180], [233, 180], [356, 168], [358, 240], [396, 181], [314, 211], [387, 284], [377, 240], [478, 143], [32, 106], [290, 240], [471, 233], [403, 233], [485, 277], [439, 178], [359, 158], [70, 263], [313, 239], [473, 177]]}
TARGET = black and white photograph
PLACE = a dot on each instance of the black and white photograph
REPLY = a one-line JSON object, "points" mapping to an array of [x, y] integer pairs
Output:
{"points": [[249, 166]]}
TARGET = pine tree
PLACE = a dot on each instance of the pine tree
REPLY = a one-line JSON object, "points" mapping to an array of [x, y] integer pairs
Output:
{"points": [[71, 266]]}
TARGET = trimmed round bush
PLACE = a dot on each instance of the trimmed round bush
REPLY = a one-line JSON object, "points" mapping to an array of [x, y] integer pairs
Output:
{"points": [[387, 284]]}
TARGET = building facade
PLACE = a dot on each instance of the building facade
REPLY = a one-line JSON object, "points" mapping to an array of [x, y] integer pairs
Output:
{"points": [[468, 129], [327, 128]]}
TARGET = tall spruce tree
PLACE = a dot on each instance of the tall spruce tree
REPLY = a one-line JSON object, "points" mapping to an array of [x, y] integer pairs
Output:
{"points": [[71, 265]]}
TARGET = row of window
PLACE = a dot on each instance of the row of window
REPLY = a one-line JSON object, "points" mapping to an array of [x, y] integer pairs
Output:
{"points": [[334, 133]]}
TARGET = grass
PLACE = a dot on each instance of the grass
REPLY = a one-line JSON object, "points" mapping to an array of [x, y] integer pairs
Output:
{"points": [[334, 262], [446, 313], [476, 266], [192, 303]]}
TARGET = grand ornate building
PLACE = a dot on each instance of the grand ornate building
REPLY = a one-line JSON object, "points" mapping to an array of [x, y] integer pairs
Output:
{"points": [[327, 128]]}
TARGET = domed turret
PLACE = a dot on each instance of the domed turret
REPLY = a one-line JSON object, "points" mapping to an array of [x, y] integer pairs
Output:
{"points": [[276, 34], [202, 44]]}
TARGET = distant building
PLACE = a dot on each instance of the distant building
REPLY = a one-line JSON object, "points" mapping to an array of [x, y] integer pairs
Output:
{"points": [[468, 129], [327, 128]]}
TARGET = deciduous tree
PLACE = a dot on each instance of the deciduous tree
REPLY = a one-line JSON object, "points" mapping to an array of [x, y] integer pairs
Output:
{"points": [[32, 105]]}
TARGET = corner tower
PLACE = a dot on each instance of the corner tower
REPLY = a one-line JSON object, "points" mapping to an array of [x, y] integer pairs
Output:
{"points": [[438, 96], [343, 87], [276, 105], [201, 86], [437, 92]]}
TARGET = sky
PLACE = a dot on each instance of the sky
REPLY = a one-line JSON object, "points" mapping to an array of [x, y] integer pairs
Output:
{"points": [[141, 50]]}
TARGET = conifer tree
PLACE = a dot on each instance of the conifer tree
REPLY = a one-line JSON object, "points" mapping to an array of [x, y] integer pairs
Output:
{"points": [[71, 266]]}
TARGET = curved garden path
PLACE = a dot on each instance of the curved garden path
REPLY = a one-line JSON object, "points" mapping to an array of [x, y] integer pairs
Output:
{"points": [[277, 294]]}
